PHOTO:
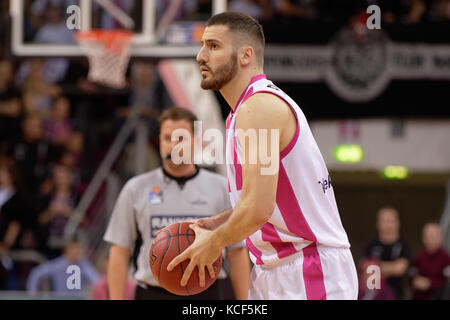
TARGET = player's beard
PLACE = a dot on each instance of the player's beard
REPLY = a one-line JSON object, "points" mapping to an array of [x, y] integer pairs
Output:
{"points": [[222, 75]]}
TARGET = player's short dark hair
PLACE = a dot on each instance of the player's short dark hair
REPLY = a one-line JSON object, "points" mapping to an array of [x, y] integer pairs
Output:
{"points": [[244, 24], [176, 114]]}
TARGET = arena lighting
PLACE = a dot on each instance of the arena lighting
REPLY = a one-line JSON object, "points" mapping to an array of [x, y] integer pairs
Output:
{"points": [[348, 153], [395, 172]]}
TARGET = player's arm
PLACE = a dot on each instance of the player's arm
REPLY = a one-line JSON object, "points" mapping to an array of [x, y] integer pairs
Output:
{"points": [[257, 202], [265, 113], [239, 272], [213, 222], [117, 274]]}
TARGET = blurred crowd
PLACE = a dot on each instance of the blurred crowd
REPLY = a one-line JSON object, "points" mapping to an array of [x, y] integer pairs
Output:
{"points": [[56, 126], [389, 271], [52, 139], [45, 19]]}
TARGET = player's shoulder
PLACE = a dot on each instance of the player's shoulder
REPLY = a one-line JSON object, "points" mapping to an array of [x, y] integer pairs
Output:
{"points": [[264, 100], [263, 110]]}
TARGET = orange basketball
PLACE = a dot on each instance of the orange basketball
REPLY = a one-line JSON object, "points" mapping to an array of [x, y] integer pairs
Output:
{"points": [[170, 242]]}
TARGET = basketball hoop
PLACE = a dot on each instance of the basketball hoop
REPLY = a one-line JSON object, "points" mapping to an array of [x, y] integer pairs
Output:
{"points": [[108, 52]]}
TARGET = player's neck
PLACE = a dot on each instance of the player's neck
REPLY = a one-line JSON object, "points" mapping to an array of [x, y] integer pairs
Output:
{"points": [[233, 90]]}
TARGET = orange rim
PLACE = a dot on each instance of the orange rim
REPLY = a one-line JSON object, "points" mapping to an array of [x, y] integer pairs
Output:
{"points": [[111, 39]]}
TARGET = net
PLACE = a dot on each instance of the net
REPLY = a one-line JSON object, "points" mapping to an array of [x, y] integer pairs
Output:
{"points": [[108, 52]]}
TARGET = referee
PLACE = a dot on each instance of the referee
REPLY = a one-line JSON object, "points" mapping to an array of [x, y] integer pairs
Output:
{"points": [[151, 201]]}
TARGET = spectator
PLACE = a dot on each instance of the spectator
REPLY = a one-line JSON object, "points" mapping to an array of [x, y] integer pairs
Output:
{"points": [[54, 31], [17, 223], [71, 158], [12, 206], [56, 271], [401, 11], [38, 94], [32, 153], [430, 264], [438, 10], [390, 250], [37, 11], [305, 9], [59, 206], [10, 106], [58, 127], [258, 9]]}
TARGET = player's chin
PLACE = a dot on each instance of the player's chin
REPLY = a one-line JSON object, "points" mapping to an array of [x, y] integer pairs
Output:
{"points": [[209, 84], [205, 84]]}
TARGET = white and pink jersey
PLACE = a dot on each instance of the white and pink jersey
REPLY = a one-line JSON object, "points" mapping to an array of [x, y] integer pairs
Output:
{"points": [[305, 215]]}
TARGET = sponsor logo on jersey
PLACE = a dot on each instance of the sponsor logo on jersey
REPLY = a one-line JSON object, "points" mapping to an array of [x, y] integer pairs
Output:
{"points": [[159, 222], [156, 196], [270, 85], [326, 184]]}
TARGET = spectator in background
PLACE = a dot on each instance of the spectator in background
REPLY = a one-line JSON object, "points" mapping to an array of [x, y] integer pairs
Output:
{"points": [[71, 159], [58, 127], [38, 93], [438, 10], [430, 265], [56, 271], [59, 205], [54, 31], [296, 9], [13, 206], [390, 250], [37, 13], [258, 9], [32, 153], [402, 11], [10, 105], [17, 223]]}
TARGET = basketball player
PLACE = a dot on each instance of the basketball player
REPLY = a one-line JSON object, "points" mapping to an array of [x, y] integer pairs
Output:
{"points": [[169, 194], [289, 217]]}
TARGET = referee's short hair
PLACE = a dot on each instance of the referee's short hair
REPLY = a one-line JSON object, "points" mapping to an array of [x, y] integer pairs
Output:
{"points": [[176, 114]]}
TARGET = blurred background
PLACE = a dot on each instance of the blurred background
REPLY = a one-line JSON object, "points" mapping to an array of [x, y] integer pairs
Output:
{"points": [[377, 102]]}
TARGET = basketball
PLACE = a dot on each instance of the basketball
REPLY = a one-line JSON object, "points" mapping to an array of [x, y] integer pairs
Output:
{"points": [[170, 242]]}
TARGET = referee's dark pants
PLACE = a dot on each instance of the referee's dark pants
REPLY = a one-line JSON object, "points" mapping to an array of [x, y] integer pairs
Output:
{"points": [[147, 292]]}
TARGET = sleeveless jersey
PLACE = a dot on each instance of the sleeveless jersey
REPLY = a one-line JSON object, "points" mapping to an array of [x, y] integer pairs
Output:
{"points": [[305, 215]]}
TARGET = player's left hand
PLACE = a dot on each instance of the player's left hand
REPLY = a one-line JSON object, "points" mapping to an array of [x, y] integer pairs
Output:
{"points": [[203, 252]]}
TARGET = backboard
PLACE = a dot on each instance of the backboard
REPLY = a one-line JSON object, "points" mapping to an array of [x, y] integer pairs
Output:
{"points": [[162, 29]]}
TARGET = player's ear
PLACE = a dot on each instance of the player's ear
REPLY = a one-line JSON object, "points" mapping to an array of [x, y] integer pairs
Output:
{"points": [[246, 55]]}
